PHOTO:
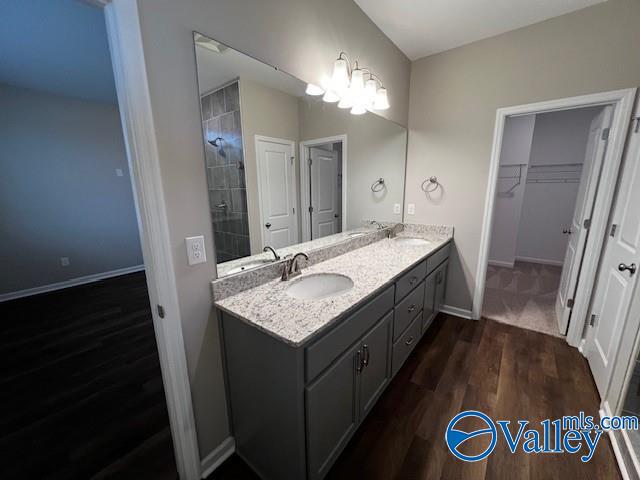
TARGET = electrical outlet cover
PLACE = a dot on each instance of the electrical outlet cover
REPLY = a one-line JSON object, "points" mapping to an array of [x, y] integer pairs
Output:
{"points": [[411, 209], [396, 208], [195, 250]]}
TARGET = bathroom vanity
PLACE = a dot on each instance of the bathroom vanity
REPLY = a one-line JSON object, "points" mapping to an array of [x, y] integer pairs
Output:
{"points": [[303, 373]]}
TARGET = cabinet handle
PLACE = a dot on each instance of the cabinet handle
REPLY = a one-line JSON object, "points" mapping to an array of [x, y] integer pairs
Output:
{"points": [[365, 358], [412, 280], [409, 341], [412, 307], [358, 361]]}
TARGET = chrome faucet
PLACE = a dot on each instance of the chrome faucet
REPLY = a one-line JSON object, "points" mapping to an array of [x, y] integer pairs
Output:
{"points": [[291, 268], [270, 249], [378, 224]]}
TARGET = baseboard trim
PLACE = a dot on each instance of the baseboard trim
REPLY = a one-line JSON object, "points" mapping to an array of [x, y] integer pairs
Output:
{"points": [[217, 456], [617, 452], [69, 283], [457, 312], [541, 261], [500, 263]]}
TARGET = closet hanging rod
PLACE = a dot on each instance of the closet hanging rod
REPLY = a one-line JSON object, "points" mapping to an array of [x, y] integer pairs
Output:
{"points": [[556, 180], [555, 165]]}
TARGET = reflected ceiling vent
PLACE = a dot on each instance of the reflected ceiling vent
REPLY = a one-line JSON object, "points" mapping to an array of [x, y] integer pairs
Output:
{"points": [[211, 45]]}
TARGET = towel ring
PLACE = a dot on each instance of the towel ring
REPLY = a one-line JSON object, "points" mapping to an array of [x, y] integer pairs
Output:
{"points": [[378, 185], [432, 186]]}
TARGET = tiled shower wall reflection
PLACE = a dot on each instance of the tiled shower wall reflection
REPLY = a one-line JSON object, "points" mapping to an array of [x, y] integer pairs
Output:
{"points": [[225, 172]]}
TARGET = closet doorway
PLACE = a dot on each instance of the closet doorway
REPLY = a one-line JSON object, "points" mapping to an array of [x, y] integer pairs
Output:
{"points": [[323, 172], [553, 174]]}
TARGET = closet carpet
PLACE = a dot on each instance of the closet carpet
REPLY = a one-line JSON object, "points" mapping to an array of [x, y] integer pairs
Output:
{"points": [[523, 296]]}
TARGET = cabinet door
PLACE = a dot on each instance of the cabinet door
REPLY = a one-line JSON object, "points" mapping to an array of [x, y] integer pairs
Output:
{"points": [[376, 369], [429, 309], [332, 413], [441, 285]]}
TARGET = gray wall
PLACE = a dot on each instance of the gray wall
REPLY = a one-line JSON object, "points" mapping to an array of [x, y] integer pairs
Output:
{"points": [[455, 94], [516, 147], [59, 193], [305, 47]]}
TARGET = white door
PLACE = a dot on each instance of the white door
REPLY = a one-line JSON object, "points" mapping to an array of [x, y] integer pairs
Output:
{"points": [[594, 155], [277, 193], [325, 211], [618, 273]]}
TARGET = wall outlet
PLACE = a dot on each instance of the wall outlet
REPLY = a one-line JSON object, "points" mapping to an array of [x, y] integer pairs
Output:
{"points": [[195, 250], [119, 172], [411, 209], [396, 208], [64, 261]]}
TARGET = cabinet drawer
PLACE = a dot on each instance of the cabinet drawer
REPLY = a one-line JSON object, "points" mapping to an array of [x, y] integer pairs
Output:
{"points": [[405, 344], [406, 310], [410, 280], [438, 257], [325, 350]]}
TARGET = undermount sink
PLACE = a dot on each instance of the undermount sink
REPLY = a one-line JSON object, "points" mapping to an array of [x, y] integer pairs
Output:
{"points": [[249, 266], [320, 285], [357, 234], [410, 241]]}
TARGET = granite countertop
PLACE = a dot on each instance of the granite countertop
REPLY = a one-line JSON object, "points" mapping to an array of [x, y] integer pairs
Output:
{"points": [[295, 321]]}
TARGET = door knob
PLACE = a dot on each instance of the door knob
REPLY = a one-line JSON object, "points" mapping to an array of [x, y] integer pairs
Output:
{"points": [[268, 225], [335, 215], [632, 268], [565, 231]]}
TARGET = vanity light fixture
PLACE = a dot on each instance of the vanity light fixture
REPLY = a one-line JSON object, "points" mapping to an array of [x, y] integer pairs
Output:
{"points": [[352, 87], [314, 90]]}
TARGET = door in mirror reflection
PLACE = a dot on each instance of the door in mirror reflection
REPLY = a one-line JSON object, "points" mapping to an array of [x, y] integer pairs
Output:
{"points": [[325, 172], [277, 191], [285, 169]]}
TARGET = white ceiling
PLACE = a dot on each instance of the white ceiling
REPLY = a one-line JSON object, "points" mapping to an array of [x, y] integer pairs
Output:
{"points": [[424, 27], [217, 69]]}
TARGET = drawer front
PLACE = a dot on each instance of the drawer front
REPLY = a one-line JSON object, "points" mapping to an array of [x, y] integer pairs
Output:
{"points": [[405, 344], [410, 280], [326, 349], [437, 258], [406, 310]]}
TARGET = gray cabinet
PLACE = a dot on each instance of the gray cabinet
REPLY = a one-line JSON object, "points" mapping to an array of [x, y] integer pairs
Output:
{"points": [[429, 308], [441, 285], [294, 408], [376, 370], [339, 399], [332, 414]]}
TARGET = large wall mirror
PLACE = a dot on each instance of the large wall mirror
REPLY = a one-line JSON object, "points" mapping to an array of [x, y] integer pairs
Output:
{"points": [[283, 167]]}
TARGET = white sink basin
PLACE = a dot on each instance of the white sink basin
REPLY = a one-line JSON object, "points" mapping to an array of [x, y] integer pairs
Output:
{"points": [[411, 242], [319, 286], [357, 234], [249, 266]]}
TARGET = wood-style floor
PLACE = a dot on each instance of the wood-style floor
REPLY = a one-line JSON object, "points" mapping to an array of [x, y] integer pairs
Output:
{"points": [[82, 393], [506, 372]]}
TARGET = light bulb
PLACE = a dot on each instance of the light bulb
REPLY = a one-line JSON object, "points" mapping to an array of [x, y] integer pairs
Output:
{"points": [[346, 101], [340, 77], [358, 110], [381, 102], [357, 81], [330, 97], [313, 90], [370, 91]]}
